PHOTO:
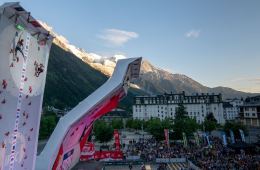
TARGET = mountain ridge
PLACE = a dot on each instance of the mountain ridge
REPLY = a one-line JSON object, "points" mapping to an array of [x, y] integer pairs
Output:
{"points": [[152, 80]]}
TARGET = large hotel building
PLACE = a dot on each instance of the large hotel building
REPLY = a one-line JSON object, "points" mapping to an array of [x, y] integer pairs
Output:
{"points": [[198, 106]]}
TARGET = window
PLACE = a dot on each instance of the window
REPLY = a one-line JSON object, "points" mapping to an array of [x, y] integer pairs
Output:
{"points": [[253, 114]]}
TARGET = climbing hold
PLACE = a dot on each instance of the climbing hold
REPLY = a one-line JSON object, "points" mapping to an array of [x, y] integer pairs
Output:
{"points": [[25, 79], [3, 145], [4, 84], [7, 133], [27, 116], [30, 89], [30, 103], [72, 134], [31, 129], [24, 123], [1, 117], [12, 64], [24, 113], [3, 101], [26, 96]]}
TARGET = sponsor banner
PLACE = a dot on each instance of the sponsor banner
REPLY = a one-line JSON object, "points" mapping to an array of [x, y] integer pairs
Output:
{"points": [[170, 160], [166, 134], [108, 155]]}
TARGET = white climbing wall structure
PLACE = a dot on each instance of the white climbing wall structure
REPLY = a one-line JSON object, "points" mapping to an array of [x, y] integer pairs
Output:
{"points": [[65, 145], [24, 51]]}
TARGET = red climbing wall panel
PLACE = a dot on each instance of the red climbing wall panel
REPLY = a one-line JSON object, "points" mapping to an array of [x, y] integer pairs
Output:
{"points": [[21, 93]]}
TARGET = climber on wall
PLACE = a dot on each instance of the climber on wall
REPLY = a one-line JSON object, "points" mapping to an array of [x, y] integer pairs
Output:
{"points": [[39, 68], [18, 47]]}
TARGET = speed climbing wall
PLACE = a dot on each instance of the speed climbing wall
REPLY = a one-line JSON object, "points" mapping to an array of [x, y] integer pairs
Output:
{"points": [[24, 50]]}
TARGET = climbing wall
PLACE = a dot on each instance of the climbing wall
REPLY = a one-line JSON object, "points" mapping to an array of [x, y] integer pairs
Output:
{"points": [[22, 84]]}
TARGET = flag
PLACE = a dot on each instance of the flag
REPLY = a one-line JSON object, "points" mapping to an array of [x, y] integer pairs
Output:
{"points": [[184, 139], [166, 134], [67, 159], [117, 140], [207, 138], [196, 136], [232, 136], [242, 135], [224, 138]]}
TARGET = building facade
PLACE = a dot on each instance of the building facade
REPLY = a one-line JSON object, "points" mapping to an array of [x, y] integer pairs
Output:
{"points": [[250, 111], [164, 106], [231, 108]]}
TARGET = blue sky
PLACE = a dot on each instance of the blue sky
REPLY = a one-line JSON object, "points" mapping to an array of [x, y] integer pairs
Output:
{"points": [[217, 42]]}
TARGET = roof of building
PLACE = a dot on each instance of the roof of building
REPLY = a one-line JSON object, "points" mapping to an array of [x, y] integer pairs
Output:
{"points": [[252, 101], [227, 104]]}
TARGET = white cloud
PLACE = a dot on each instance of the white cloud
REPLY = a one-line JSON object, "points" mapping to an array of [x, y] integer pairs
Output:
{"points": [[193, 34], [117, 37]]}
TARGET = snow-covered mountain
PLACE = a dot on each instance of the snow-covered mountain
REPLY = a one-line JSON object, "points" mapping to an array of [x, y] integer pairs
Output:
{"points": [[152, 80], [104, 64]]}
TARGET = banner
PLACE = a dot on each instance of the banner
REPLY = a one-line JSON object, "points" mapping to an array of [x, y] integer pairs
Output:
{"points": [[242, 135], [232, 137], [185, 144], [166, 134], [87, 152], [207, 138], [117, 140], [108, 155], [224, 138], [196, 137]]}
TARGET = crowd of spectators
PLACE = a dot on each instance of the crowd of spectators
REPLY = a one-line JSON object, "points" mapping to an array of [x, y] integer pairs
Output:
{"points": [[215, 156]]}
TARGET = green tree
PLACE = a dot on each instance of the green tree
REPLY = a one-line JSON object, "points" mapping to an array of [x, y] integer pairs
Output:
{"points": [[117, 124], [103, 132], [210, 123], [180, 112], [129, 123], [182, 123], [137, 124], [187, 125], [155, 127], [211, 117], [48, 123]]}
